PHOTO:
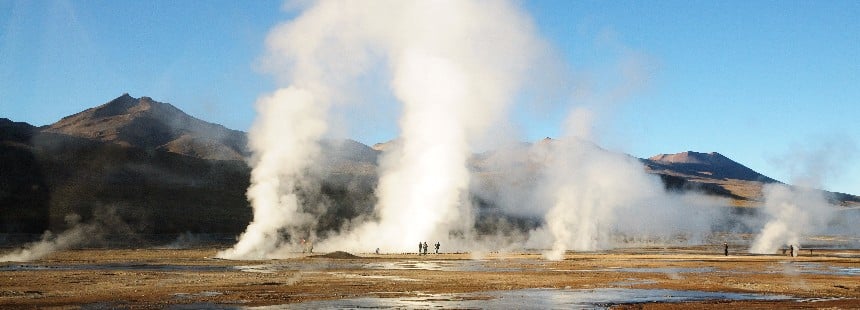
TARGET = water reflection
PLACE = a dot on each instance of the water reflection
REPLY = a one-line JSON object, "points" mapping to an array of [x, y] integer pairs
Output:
{"points": [[528, 299]]}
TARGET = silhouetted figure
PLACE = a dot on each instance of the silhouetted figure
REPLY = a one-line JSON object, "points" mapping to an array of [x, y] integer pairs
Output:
{"points": [[437, 247], [793, 251], [726, 248], [425, 247], [377, 251], [420, 246]]}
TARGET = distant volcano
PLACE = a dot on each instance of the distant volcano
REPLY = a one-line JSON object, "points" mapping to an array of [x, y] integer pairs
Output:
{"points": [[150, 125], [706, 165]]}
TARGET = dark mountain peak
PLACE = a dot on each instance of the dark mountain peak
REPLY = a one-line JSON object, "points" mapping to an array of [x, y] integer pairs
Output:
{"points": [[149, 124], [5, 122], [15, 131], [120, 105]]}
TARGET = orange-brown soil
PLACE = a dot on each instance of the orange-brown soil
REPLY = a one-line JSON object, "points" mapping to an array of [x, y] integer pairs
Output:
{"points": [[156, 278]]}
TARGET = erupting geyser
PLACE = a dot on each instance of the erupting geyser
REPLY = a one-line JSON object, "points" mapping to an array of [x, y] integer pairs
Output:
{"points": [[455, 66]]}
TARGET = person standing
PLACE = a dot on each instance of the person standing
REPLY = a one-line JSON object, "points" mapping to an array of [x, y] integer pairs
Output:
{"points": [[437, 247], [420, 246], [425, 247], [726, 248]]}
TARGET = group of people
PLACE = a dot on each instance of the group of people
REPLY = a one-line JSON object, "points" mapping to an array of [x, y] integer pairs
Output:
{"points": [[422, 247]]}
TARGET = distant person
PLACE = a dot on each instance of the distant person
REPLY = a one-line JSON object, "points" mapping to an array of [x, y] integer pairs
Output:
{"points": [[420, 246], [377, 251], [437, 247], [794, 250], [425, 247], [726, 248]]}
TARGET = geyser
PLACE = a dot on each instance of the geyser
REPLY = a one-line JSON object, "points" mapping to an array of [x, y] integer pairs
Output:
{"points": [[284, 140], [455, 67]]}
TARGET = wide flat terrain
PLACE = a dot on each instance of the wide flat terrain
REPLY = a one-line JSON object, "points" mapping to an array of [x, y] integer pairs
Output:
{"points": [[159, 278]]}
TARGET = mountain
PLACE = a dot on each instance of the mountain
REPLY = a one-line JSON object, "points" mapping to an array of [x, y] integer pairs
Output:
{"points": [[704, 165], [151, 125], [710, 173], [154, 169], [159, 172]]}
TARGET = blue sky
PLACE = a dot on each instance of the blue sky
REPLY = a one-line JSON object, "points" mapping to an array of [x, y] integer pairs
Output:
{"points": [[767, 83]]}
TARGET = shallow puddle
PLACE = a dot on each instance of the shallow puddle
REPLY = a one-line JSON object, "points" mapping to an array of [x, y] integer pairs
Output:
{"points": [[448, 265], [528, 299], [814, 268]]}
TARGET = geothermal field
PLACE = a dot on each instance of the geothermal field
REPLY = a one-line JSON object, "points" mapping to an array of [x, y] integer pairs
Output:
{"points": [[454, 209], [699, 277]]}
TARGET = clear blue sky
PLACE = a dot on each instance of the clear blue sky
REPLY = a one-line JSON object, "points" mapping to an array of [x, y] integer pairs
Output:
{"points": [[762, 82]]}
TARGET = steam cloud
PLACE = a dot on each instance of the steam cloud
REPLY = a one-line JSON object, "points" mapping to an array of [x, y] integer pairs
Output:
{"points": [[284, 143], [105, 221], [799, 211], [456, 67]]}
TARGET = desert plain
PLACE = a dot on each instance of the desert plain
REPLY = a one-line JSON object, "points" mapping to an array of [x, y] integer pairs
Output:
{"points": [[698, 277]]}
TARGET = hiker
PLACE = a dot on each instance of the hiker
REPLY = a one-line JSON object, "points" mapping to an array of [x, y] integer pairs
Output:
{"points": [[437, 247], [425, 247], [726, 248]]}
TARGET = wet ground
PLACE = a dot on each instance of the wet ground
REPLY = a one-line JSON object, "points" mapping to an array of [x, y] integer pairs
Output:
{"points": [[695, 277]]}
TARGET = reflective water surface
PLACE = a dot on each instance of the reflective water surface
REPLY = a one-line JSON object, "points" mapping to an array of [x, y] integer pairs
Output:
{"points": [[528, 299]]}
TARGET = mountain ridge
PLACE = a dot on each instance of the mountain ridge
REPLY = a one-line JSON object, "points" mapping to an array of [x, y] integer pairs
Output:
{"points": [[165, 171]]}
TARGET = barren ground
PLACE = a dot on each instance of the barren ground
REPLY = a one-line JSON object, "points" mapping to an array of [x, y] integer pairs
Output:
{"points": [[159, 278]]}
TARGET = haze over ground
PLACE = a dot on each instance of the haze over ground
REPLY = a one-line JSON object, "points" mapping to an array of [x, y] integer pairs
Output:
{"points": [[772, 86]]}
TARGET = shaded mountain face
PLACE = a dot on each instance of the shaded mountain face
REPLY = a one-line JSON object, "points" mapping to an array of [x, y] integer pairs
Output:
{"points": [[158, 170], [704, 165], [24, 195], [15, 132], [151, 125]]}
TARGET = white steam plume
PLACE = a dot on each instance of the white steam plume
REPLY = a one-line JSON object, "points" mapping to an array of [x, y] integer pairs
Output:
{"points": [[105, 221], [794, 212], [51, 243], [600, 199], [284, 140], [455, 66], [798, 211]]}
